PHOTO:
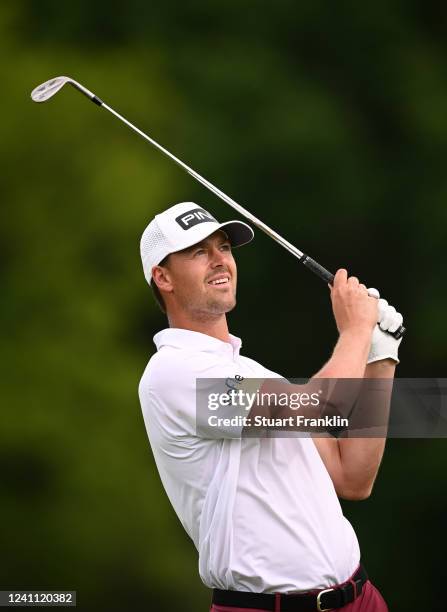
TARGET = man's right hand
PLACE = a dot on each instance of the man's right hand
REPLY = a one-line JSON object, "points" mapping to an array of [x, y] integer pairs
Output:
{"points": [[354, 310]]}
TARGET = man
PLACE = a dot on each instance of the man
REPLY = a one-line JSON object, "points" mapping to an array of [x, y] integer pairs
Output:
{"points": [[262, 512]]}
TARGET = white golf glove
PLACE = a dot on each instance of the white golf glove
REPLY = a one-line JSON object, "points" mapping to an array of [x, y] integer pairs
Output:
{"points": [[384, 345]]}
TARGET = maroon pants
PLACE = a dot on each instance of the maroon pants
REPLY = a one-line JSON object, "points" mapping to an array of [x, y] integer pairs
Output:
{"points": [[370, 600]]}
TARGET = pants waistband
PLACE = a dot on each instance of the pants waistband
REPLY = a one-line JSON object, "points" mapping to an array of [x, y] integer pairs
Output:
{"points": [[331, 598]]}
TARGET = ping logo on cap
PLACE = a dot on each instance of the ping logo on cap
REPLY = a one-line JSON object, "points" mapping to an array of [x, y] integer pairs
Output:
{"points": [[194, 217]]}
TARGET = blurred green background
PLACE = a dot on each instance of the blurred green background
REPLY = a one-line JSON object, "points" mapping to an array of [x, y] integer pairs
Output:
{"points": [[328, 121]]}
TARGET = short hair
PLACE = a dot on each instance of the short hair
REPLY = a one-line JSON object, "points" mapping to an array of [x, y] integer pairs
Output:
{"points": [[156, 291]]}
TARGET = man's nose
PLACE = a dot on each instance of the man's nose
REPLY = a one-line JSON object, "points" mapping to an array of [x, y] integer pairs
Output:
{"points": [[217, 257]]}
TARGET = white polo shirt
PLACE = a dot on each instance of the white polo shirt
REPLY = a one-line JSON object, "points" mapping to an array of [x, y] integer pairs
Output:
{"points": [[262, 512]]}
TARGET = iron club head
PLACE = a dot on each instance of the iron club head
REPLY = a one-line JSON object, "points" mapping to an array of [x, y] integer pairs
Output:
{"points": [[47, 90]]}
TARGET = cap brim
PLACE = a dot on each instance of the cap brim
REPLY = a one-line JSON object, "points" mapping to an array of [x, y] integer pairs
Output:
{"points": [[238, 232]]}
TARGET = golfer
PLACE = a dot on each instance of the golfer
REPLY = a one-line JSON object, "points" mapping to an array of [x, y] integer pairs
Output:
{"points": [[263, 512]]}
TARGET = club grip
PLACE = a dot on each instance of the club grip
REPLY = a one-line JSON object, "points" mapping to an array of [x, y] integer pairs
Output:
{"points": [[328, 277], [315, 267]]}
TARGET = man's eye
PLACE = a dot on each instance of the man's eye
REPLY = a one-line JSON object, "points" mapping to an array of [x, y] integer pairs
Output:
{"points": [[226, 247], [199, 252]]}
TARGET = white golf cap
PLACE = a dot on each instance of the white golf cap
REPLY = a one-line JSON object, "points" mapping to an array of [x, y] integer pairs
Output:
{"points": [[181, 226]]}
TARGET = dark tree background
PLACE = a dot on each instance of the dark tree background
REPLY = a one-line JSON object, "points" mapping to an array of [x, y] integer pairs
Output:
{"points": [[326, 120]]}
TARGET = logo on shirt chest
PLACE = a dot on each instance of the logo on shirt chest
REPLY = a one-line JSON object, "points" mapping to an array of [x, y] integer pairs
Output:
{"points": [[232, 383]]}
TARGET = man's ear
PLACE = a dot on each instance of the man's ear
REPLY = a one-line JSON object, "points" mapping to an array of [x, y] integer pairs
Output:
{"points": [[162, 278]]}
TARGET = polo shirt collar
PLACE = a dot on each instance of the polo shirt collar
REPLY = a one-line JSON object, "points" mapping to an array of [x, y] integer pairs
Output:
{"points": [[187, 339]]}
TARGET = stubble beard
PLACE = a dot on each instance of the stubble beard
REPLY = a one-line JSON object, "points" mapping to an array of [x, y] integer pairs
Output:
{"points": [[213, 308], [221, 306]]}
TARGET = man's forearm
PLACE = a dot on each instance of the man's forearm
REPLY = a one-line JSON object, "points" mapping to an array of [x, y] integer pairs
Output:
{"points": [[360, 457]]}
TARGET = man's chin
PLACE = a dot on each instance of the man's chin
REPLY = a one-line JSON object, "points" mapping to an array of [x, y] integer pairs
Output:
{"points": [[231, 306], [222, 306]]}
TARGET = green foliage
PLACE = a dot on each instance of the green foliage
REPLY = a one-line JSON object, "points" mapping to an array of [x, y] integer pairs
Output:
{"points": [[325, 120]]}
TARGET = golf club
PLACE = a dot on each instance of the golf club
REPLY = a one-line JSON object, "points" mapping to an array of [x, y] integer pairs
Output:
{"points": [[47, 90]]}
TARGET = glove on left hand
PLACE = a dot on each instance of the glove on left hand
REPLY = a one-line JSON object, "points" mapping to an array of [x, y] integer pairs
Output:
{"points": [[383, 345]]}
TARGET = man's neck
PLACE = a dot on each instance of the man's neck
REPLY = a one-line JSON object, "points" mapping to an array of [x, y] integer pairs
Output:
{"points": [[216, 326]]}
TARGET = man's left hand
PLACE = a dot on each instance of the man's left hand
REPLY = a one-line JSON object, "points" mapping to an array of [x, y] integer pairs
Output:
{"points": [[383, 344]]}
